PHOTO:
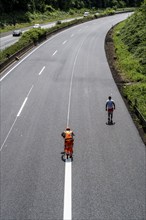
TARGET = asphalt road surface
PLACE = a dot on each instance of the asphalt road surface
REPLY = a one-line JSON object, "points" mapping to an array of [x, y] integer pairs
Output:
{"points": [[66, 81]]}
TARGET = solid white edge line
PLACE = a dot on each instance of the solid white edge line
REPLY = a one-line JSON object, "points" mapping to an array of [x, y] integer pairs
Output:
{"points": [[41, 71], [22, 107], [67, 214]]}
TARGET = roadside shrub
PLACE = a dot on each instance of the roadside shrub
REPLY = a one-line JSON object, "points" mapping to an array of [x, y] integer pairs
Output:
{"points": [[108, 11], [137, 92], [49, 8]]}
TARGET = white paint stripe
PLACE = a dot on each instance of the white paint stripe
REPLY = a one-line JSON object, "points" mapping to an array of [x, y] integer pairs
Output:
{"points": [[25, 101], [67, 215], [17, 117], [67, 211], [54, 53], [72, 35], [41, 71], [70, 89], [22, 107], [8, 134], [64, 42], [30, 91]]}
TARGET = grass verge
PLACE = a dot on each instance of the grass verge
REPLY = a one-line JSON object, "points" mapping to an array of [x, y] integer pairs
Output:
{"points": [[131, 71]]}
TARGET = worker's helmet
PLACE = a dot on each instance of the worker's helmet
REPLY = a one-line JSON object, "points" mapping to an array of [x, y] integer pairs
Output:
{"points": [[67, 129]]}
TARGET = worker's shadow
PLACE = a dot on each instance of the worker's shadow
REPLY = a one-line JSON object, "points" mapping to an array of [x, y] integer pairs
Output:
{"points": [[65, 159]]}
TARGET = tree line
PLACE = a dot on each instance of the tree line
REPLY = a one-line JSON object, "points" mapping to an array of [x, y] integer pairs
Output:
{"points": [[7, 6]]}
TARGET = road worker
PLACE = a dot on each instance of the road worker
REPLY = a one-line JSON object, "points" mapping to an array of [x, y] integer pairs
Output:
{"points": [[68, 141]]}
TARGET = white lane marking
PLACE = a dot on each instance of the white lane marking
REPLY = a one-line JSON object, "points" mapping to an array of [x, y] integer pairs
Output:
{"points": [[8, 134], [42, 70], [54, 53], [22, 107], [17, 117], [64, 42], [70, 89], [67, 211], [67, 215], [25, 100], [30, 91]]}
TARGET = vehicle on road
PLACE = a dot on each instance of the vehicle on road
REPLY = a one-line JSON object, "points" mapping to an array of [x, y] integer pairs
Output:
{"points": [[86, 13], [37, 26], [17, 33]]}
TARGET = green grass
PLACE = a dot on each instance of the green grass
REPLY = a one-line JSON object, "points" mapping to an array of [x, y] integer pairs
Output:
{"points": [[129, 66], [29, 19], [129, 63], [137, 92], [25, 19]]}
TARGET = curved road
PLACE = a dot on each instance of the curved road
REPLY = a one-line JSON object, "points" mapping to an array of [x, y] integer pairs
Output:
{"points": [[66, 81]]}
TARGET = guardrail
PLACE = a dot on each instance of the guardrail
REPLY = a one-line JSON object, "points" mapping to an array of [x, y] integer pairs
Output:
{"points": [[137, 112], [15, 57]]}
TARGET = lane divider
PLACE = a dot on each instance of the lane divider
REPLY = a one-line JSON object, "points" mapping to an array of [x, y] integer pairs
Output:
{"points": [[67, 215], [67, 211], [64, 42], [18, 114], [42, 70], [54, 53], [22, 107], [8, 134]]}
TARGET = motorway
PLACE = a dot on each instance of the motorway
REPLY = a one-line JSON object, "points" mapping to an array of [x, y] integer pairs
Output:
{"points": [[7, 39], [66, 81]]}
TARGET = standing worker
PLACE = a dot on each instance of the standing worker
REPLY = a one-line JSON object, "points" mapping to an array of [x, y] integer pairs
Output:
{"points": [[68, 141], [110, 107]]}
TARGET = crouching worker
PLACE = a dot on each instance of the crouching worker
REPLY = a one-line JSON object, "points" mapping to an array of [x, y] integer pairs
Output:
{"points": [[68, 141]]}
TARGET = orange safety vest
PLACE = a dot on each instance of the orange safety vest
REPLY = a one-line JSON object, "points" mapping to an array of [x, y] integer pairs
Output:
{"points": [[68, 136]]}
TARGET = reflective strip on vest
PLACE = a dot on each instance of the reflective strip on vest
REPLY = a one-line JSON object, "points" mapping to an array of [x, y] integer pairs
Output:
{"points": [[68, 135]]}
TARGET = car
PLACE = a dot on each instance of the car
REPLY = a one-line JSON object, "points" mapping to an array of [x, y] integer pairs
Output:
{"points": [[17, 33], [86, 13], [37, 26]]}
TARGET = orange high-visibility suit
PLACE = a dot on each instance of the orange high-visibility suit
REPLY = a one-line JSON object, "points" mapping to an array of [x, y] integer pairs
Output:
{"points": [[68, 142]]}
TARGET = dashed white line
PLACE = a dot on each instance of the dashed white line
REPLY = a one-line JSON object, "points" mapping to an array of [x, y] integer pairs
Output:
{"points": [[22, 107], [64, 42], [54, 53], [41, 70], [25, 100]]}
